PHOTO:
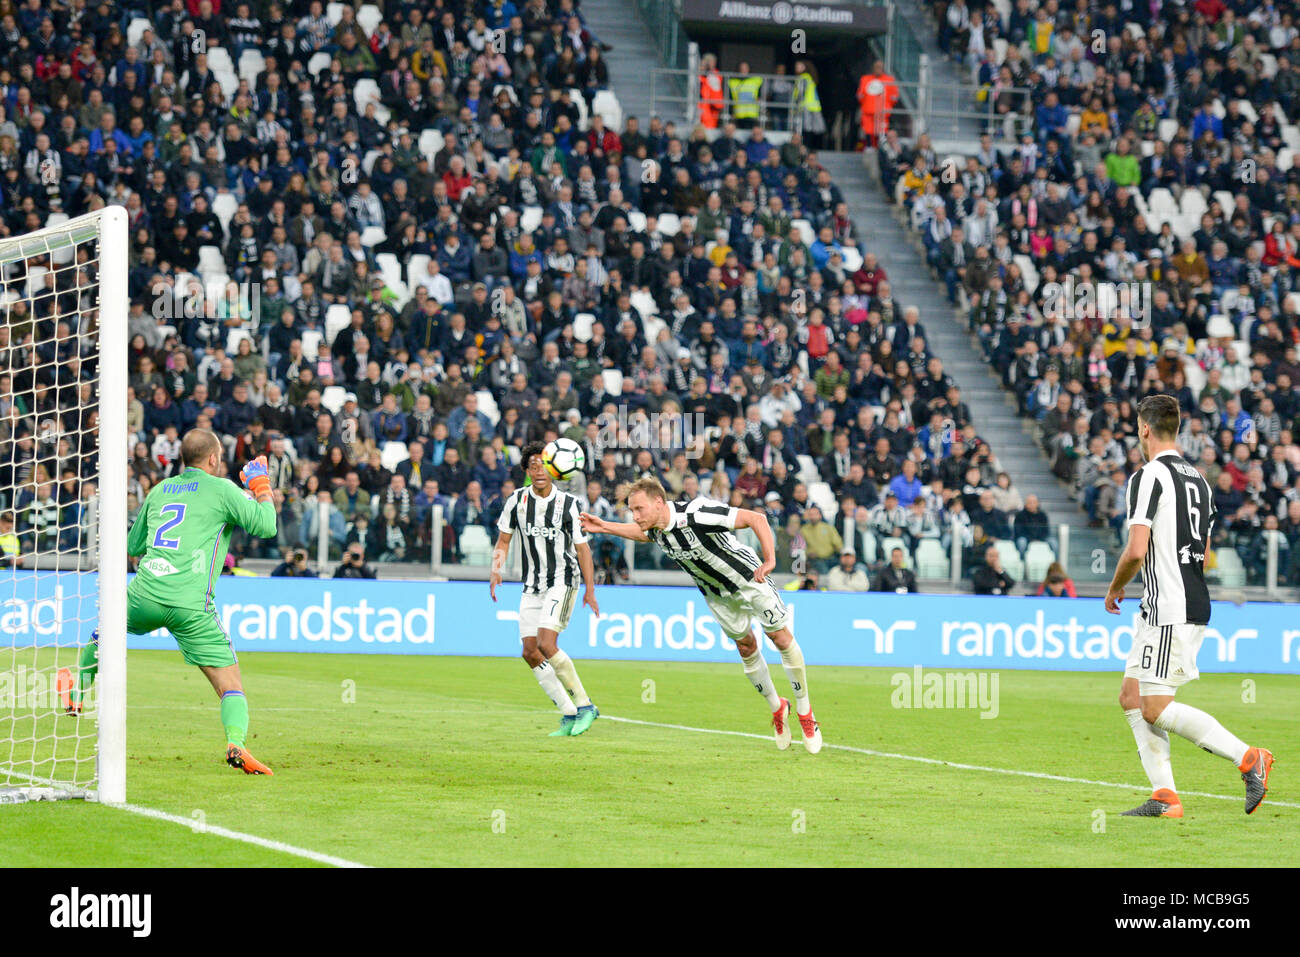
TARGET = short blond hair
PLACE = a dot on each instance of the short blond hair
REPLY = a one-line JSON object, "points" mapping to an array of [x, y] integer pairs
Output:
{"points": [[649, 485]]}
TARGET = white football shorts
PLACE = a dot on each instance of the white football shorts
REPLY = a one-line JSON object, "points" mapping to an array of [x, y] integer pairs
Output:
{"points": [[1164, 657], [736, 612], [550, 609]]}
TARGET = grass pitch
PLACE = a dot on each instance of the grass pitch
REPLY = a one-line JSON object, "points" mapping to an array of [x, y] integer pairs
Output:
{"points": [[415, 761]]}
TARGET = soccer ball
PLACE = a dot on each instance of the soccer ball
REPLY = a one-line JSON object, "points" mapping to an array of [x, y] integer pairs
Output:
{"points": [[563, 458]]}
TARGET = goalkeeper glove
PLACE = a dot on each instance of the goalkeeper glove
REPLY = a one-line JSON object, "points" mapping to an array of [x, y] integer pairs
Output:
{"points": [[256, 479]]}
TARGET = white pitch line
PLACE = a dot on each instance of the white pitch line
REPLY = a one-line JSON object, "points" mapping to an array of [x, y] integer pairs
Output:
{"points": [[215, 829], [280, 846], [946, 764]]}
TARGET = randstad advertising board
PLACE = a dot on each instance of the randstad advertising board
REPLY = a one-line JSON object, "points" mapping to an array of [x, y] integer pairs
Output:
{"points": [[642, 623]]}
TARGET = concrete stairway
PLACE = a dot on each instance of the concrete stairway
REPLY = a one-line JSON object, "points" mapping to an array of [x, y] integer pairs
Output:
{"points": [[618, 23], [992, 409]]}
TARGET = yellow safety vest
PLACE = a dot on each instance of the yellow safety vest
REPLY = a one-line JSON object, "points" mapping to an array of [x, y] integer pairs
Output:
{"points": [[806, 94], [9, 545], [745, 92]]}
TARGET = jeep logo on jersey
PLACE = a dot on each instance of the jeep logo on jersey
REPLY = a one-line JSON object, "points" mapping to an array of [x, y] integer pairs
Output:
{"points": [[541, 531]]}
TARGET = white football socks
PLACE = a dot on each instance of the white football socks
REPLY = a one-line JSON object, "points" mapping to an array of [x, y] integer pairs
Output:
{"points": [[1203, 730], [758, 675], [550, 683], [568, 676], [792, 659], [1153, 749]]}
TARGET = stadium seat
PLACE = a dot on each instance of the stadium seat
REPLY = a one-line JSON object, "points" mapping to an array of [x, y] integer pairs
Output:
{"points": [[805, 230], [417, 267], [135, 30], [636, 220], [852, 259], [333, 397], [337, 318], [219, 59], [1285, 159], [369, 17], [475, 546], [582, 324], [820, 494], [1012, 563], [530, 218], [807, 469], [311, 340], [669, 224], [931, 560], [318, 62], [1229, 570], [365, 91], [36, 281], [1247, 109], [1167, 129], [606, 104], [488, 406], [234, 338], [224, 206], [886, 547], [1194, 205], [1038, 556], [430, 142], [644, 303], [228, 80], [613, 381], [870, 548], [334, 13], [393, 454], [251, 63], [373, 235]]}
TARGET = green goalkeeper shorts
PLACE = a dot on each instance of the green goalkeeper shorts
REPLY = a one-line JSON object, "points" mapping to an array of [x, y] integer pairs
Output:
{"points": [[199, 634]]}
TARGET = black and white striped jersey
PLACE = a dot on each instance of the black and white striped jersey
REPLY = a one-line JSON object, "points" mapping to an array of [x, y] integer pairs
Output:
{"points": [[548, 529], [1171, 497], [699, 539]]}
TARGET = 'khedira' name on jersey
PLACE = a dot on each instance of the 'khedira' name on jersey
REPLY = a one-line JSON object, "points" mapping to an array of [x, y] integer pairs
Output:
{"points": [[548, 528], [1174, 499], [699, 538]]}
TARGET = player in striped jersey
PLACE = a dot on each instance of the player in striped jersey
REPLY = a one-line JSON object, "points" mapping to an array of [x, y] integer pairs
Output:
{"points": [[697, 535], [554, 552], [1170, 512]]}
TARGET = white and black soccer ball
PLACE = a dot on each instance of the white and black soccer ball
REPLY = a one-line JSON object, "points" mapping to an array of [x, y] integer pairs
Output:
{"points": [[563, 459]]}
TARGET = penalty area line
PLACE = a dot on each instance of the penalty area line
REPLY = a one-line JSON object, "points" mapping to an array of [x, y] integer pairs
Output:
{"points": [[240, 836], [1042, 776]]}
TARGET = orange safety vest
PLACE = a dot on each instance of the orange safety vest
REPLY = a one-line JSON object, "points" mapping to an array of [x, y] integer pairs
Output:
{"points": [[710, 99], [876, 97]]}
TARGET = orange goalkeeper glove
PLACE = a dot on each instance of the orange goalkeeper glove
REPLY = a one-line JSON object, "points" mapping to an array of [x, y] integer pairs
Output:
{"points": [[257, 479]]}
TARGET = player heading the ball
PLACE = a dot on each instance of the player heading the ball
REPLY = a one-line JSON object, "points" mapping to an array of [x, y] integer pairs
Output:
{"points": [[697, 535], [554, 551]]}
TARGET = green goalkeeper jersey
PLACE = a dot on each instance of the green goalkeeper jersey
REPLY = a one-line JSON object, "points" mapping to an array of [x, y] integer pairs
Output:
{"points": [[183, 532]]}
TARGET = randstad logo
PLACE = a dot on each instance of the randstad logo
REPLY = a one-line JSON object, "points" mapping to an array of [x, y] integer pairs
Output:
{"points": [[688, 631]]}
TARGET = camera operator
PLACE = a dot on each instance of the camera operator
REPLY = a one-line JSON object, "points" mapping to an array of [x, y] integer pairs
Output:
{"points": [[294, 566], [354, 564]]}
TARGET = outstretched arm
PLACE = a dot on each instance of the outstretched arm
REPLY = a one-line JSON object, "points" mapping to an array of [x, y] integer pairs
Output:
{"points": [[598, 526]]}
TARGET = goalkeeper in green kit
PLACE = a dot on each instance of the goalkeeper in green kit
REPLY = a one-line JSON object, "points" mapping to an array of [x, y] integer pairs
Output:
{"points": [[183, 532]]}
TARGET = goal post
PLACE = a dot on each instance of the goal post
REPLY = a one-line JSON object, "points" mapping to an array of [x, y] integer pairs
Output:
{"points": [[63, 507]]}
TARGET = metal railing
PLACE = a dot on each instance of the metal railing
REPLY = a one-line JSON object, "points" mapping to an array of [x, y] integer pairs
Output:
{"points": [[949, 113]]}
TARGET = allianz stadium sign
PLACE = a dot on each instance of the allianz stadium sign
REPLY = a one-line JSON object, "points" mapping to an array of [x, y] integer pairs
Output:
{"points": [[780, 14]]}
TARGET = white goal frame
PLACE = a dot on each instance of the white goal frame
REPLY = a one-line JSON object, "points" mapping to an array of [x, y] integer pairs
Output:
{"points": [[109, 227]]}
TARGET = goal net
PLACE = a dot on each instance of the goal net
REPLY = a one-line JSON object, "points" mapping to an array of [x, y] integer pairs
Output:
{"points": [[63, 508]]}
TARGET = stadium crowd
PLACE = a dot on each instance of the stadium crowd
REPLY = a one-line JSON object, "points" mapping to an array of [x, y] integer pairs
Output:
{"points": [[1153, 162], [428, 236]]}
